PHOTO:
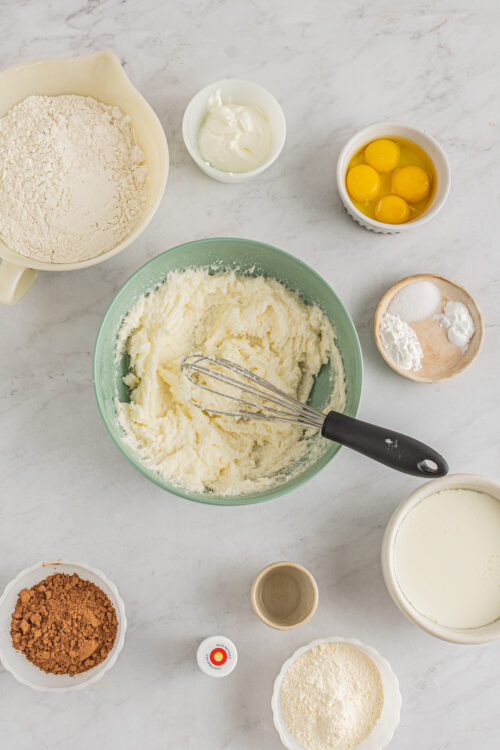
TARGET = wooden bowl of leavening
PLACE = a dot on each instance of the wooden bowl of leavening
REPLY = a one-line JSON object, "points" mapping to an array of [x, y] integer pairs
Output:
{"points": [[441, 359]]}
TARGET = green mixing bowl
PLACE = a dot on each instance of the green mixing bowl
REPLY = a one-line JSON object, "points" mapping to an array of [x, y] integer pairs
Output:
{"points": [[244, 256]]}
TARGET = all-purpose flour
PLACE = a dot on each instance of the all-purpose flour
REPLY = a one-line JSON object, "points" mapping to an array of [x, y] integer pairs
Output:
{"points": [[72, 178], [332, 697]]}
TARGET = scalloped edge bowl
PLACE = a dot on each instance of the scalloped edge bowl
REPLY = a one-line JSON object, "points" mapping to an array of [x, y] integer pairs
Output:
{"points": [[422, 139], [388, 720], [16, 663]]}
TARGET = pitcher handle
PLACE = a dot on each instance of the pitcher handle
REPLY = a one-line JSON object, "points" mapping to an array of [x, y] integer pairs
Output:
{"points": [[15, 281]]}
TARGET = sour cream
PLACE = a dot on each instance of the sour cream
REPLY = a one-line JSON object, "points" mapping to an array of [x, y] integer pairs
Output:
{"points": [[447, 558], [234, 137]]}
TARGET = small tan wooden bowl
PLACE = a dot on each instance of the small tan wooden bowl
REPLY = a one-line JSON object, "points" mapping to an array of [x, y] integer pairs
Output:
{"points": [[441, 359], [284, 595]]}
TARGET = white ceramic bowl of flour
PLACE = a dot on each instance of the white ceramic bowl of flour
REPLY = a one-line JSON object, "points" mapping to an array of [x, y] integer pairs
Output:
{"points": [[450, 531], [388, 720], [100, 76]]}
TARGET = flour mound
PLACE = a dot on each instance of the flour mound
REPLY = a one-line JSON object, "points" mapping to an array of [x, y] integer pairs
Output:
{"points": [[73, 181], [332, 697]]}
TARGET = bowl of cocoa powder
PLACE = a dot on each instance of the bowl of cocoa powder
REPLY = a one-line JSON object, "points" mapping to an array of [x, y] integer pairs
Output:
{"points": [[62, 626]]}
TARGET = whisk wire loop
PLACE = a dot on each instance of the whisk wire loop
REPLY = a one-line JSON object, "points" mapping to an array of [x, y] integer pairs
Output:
{"points": [[289, 409]]}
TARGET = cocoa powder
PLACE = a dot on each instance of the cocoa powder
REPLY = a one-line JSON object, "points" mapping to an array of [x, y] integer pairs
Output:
{"points": [[64, 624]]}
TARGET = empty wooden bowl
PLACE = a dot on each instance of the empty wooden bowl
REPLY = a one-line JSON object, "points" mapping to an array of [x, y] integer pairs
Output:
{"points": [[284, 595], [441, 360]]}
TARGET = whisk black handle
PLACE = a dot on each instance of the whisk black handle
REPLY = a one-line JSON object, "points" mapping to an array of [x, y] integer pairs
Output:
{"points": [[386, 446]]}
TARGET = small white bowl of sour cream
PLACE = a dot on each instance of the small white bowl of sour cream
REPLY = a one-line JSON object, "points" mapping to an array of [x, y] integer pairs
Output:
{"points": [[237, 92], [458, 540]]}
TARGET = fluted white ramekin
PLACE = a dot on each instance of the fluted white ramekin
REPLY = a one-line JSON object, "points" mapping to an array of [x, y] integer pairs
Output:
{"points": [[18, 665], [422, 139], [388, 720]]}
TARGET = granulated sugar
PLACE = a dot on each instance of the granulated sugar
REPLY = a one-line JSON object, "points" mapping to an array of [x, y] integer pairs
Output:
{"points": [[416, 301], [72, 178], [332, 697]]}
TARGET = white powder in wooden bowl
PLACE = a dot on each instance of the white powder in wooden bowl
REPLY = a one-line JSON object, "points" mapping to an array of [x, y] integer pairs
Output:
{"points": [[72, 178], [401, 342], [332, 697]]}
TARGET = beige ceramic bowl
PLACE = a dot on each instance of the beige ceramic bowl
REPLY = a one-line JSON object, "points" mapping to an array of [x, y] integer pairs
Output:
{"points": [[284, 595], [490, 632], [101, 76], [441, 359], [422, 139]]}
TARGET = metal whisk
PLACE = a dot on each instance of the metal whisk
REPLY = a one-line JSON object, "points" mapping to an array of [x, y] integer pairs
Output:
{"points": [[269, 403]]}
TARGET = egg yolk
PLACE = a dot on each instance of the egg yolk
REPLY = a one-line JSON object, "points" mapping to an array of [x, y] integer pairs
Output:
{"points": [[391, 209], [411, 183], [383, 155], [363, 183]]}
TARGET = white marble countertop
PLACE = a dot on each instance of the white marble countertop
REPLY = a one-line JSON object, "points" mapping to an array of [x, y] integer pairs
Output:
{"points": [[185, 570]]}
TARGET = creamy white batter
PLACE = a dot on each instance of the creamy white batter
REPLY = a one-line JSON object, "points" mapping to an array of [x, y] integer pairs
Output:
{"points": [[447, 558], [255, 322]]}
